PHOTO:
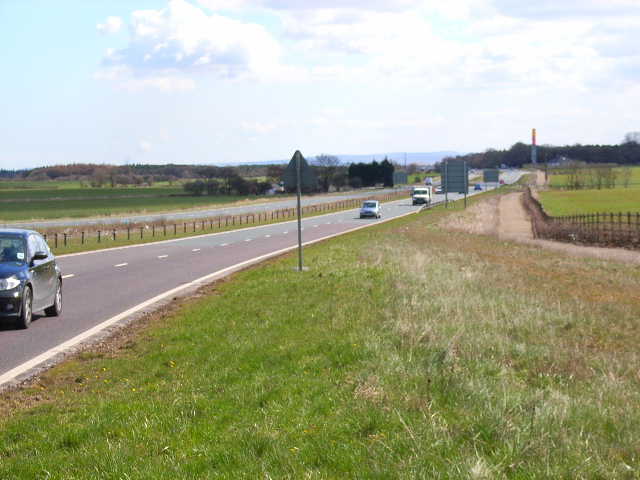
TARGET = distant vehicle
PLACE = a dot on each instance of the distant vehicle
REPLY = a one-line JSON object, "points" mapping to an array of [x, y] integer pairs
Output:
{"points": [[371, 208], [477, 186], [30, 279], [421, 195], [428, 181], [438, 191]]}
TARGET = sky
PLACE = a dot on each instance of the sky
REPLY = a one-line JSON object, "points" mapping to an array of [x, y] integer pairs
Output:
{"points": [[221, 81]]}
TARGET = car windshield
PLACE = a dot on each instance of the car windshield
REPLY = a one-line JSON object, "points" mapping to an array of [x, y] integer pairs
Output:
{"points": [[12, 249], [420, 192], [369, 205]]}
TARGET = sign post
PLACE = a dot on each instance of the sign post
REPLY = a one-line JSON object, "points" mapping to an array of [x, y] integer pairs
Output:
{"points": [[299, 174], [297, 156]]}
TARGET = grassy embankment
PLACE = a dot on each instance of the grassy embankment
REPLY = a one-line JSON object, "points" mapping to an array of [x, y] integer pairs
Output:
{"points": [[420, 177], [573, 202], [404, 352]]}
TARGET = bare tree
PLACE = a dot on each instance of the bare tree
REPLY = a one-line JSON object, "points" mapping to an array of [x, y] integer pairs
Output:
{"points": [[327, 167], [632, 137]]}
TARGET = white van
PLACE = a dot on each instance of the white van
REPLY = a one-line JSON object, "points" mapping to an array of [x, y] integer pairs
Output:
{"points": [[421, 195]]}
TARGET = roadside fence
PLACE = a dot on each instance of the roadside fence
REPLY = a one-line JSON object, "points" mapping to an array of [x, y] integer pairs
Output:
{"points": [[124, 233], [620, 229]]}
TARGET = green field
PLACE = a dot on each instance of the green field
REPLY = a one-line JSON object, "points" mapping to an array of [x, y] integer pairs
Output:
{"points": [[574, 202], [515, 363], [69, 200], [560, 180]]}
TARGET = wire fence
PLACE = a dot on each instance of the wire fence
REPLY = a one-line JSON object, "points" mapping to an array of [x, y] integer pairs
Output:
{"points": [[620, 229], [70, 237]]}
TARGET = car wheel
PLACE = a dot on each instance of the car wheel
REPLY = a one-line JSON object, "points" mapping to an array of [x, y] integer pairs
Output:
{"points": [[26, 312], [55, 309]]}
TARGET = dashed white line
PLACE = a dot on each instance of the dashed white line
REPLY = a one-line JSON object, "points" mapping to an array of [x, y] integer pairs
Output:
{"points": [[328, 223], [285, 232], [195, 250], [316, 226], [163, 256], [224, 244], [247, 239], [121, 265], [267, 236], [71, 275]]}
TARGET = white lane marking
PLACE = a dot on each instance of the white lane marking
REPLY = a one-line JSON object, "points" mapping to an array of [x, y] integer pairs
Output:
{"points": [[285, 232], [224, 244], [195, 250], [64, 346], [247, 239], [328, 223], [267, 236], [121, 265], [162, 256], [71, 275], [316, 226]]}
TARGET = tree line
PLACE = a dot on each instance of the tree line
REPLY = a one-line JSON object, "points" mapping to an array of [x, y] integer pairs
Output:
{"points": [[214, 180], [626, 153]]}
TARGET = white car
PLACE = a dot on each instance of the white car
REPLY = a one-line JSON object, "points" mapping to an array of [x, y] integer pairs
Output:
{"points": [[371, 208]]}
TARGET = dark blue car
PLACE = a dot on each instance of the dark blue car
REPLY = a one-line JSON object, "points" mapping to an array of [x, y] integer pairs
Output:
{"points": [[30, 279]]}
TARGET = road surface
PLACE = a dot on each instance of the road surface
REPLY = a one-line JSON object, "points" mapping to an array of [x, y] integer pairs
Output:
{"points": [[108, 285]]}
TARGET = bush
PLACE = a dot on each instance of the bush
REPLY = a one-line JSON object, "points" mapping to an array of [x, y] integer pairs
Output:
{"points": [[195, 188]]}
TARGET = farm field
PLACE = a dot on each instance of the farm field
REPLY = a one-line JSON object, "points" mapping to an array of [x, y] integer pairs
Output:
{"points": [[574, 202], [560, 180], [70, 200], [515, 363]]}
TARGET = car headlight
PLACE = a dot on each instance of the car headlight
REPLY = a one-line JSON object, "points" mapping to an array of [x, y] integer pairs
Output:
{"points": [[9, 283]]}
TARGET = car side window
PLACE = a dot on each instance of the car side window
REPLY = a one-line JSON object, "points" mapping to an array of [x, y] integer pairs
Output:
{"points": [[42, 245], [32, 245]]}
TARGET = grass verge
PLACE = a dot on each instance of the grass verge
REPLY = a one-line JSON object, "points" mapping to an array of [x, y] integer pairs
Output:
{"points": [[404, 352]]}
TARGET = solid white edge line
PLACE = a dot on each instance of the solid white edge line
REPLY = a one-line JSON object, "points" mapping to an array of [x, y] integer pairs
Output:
{"points": [[62, 347], [195, 250], [121, 265], [71, 275], [162, 256]]}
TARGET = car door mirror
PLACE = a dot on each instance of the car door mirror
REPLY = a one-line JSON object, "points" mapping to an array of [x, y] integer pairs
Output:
{"points": [[39, 255]]}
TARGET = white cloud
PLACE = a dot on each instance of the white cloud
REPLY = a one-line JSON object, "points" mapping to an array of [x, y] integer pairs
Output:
{"points": [[111, 25], [566, 9], [182, 39], [298, 5]]}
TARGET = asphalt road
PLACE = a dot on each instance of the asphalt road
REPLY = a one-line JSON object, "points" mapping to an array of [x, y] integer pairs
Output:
{"points": [[103, 284]]}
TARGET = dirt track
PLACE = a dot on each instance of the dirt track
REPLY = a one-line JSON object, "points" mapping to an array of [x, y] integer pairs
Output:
{"points": [[506, 218]]}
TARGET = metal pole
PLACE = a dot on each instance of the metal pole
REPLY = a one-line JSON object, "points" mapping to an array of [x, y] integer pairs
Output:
{"points": [[466, 183], [446, 188], [299, 192]]}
